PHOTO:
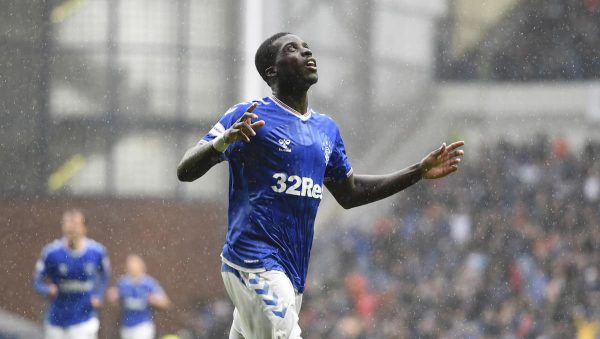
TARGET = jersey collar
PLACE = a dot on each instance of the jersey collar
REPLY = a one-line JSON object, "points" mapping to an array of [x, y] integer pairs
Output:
{"points": [[134, 281], [282, 105], [76, 253]]}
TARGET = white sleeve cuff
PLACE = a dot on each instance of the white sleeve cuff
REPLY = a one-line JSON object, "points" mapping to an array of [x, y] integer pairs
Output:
{"points": [[219, 144]]}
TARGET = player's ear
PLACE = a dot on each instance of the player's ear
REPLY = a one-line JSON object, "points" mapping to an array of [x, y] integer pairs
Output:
{"points": [[271, 73]]}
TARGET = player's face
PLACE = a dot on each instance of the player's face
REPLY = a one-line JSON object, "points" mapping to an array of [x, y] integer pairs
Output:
{"points": [[73, 226], [295, 63], [135, 266]]}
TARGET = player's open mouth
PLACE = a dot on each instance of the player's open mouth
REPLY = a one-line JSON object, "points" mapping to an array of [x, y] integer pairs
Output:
{"points": [[311, 64]]}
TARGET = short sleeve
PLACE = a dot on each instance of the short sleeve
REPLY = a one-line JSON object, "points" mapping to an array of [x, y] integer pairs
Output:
{"points": [[155, 288], [40, 271], [40, 265], [338, 166], [228, 119]]}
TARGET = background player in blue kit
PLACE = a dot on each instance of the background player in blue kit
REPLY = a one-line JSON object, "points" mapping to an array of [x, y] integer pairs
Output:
{"points": [[72, 272], [278, 166], [137, 293]]}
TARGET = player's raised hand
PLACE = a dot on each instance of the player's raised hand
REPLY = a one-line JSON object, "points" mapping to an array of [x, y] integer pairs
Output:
{"points": [[442, 161], [243, 129]]}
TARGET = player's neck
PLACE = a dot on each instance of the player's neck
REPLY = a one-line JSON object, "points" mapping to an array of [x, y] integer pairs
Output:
{"points": [[137, 277], [76, 244], [296, 101]]}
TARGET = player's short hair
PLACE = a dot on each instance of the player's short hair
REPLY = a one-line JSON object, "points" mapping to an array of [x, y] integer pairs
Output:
{"points": [[76, 211], [265, 55]]}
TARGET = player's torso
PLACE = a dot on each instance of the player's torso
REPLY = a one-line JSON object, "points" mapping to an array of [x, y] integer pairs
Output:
{"points": [[288, 156], [276, 185], [73, 273], [134, 295], [134, 300]]}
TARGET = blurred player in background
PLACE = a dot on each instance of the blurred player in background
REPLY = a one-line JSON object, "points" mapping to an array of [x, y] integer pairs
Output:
{"points": [[278, 166], [72, 273], [138, 294]]}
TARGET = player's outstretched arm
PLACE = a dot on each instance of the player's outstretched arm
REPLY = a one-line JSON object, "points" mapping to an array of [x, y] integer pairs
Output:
{"points": [[202, 157], [359, 189]]}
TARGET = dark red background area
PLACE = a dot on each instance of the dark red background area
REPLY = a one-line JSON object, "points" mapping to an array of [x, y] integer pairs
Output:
{"points": [[180, 242]]}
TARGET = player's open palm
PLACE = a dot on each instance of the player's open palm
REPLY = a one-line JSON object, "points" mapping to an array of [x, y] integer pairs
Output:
{"points": [[243, 129], [442, 161]]}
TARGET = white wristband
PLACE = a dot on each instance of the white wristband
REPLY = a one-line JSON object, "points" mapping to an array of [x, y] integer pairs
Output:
{"points": [[219, 144]]}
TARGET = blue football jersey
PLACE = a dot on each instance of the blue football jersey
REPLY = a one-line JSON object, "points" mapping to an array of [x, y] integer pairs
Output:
{"points": [[133, 296], [276, 185], [78, 276]]}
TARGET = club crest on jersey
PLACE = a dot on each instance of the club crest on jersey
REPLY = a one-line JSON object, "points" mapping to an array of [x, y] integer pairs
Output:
{"points": [[326, 149], [62, 268], [89, 268], [284, 145]]}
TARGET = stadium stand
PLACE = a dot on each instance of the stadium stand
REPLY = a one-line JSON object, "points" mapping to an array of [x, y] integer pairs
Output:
{"points": [[536, 40]]}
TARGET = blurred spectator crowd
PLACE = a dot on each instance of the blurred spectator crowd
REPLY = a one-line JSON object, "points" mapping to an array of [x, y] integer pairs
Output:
{"points": [[509, 247], [540, 40]]}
